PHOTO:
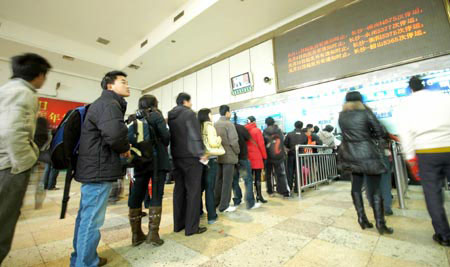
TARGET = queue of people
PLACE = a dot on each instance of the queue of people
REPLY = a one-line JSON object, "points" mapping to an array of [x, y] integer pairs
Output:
{"points": [[206, 157]]}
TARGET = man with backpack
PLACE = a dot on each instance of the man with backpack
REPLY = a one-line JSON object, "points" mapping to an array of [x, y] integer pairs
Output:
{"points": [[103, 142], [18, 152], [296, 137], [276, 155], [230, 141]]}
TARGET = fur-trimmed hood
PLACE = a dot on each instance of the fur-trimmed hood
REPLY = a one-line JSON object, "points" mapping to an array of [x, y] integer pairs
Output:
{"points": [[353, 105]]}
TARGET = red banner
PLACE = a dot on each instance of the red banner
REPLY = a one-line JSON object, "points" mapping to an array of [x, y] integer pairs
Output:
{"points": [[55, 110]]}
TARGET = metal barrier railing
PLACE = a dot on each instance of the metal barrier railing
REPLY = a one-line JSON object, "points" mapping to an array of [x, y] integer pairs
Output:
{"points": [[401, 173], [314, 167]]}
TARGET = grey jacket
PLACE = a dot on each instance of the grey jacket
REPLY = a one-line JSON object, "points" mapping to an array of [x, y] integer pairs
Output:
{"points": [[230, 141], [18, 114]]}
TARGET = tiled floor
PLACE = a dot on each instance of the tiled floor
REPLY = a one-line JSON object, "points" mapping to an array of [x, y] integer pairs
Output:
{"points": [[320, 230]]}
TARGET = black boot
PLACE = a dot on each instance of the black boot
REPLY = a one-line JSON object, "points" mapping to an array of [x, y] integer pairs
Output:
{"points": [[378, 212], [259, 197], [138, 237], [359, 206], [154, 220]]}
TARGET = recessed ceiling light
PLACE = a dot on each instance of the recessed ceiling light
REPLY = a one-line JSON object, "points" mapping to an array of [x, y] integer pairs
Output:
{"points": [[144, 43], [102, 41], [173, 41], [133, 66], [68, 58]]}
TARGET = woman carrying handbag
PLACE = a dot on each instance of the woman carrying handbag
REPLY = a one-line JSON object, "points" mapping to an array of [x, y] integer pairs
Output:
{"points": [[213, 149]]}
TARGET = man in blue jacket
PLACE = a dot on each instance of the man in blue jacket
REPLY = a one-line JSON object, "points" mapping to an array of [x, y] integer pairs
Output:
{"points": [[103, 141]]}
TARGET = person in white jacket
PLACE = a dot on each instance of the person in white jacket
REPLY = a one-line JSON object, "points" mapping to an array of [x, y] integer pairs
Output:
{"points": [[423, 121], [18, 152]]}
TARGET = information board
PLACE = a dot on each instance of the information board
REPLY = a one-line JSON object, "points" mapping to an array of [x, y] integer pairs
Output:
{"points": [[361, 37]]}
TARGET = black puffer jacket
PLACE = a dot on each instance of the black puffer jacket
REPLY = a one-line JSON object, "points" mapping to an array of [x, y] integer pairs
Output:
{"points": [[104, 136], [269, 134], [362, 134], [185, 136]]}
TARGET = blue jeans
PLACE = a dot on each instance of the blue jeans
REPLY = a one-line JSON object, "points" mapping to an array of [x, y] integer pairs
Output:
{"points": [[91, 216], [246, 171], [208, 183]]}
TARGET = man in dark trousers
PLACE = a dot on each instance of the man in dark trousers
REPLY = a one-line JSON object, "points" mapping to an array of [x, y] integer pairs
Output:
{"points": [[103, 142], [296, 137], [431, 144], [18, 151], [274, 139], [187, 151]]}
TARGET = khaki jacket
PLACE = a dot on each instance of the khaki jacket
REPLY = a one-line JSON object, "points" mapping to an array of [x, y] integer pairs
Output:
{"points": [[209, 135], [18, 114]]}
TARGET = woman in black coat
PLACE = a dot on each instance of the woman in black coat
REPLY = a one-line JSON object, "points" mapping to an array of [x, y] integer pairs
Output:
{"points": [[361, 153], [150, 175]]}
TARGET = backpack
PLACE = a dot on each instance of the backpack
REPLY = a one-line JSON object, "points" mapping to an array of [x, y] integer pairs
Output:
{"points": [[64, 148], [143, 152], [274, 147]]}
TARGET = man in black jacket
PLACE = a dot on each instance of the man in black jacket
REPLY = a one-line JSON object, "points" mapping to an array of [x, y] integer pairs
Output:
{"points": [[103, 142], [296, 137], [274, 139], [187, 150]]}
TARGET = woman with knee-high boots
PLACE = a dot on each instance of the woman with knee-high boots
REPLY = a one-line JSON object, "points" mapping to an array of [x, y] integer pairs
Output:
{"points": [[256, 154], [149, 178], [361, 152]]}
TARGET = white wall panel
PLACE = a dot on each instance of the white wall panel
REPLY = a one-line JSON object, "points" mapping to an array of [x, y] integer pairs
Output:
{"points": [[190, 87], [221, 83], [262, 65], [204, 88], [239, 64], [177, 87], [166, 96]]}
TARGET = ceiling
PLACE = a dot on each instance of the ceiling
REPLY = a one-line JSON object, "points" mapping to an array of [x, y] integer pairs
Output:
{"points": [[208, 28]]}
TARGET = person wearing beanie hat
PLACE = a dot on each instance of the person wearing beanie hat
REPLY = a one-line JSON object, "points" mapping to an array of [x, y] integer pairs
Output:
{"points": [[360, 154], [431, 145]]}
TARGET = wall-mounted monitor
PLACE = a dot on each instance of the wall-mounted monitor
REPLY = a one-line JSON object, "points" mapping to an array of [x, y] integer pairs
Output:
{"points": [[241, 84]]}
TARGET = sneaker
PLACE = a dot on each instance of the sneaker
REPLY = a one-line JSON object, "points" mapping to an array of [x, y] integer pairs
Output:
{"points": [[256, 206], [212, 221], [237, 205], [230, 209]]}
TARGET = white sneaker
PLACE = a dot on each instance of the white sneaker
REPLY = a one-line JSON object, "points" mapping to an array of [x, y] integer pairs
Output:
{"points": [[256, 206], [230, 209]]}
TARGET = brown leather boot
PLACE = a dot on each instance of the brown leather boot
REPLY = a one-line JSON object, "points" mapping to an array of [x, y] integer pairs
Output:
{"points": [[154, 220], [138, 237]]}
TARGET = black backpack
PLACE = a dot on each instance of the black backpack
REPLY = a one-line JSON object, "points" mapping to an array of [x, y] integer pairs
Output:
{"points": [[274, 147], [64, 148], [143, 153]]}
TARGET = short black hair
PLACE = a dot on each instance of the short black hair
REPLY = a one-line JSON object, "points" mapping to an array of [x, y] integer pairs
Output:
{"points": [[316, 129], [329, 128], [183, 97], [270, 121], [203, 115], [298, 125], [252, 118], [353, 96], [29, 66], [415, 83], [223, 110], [111, 77], [147, 102], [309, 126]]}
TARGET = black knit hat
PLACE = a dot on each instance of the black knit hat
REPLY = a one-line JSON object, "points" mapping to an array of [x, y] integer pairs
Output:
{"points": [[415, 83], [251, 119], [353, 96]]}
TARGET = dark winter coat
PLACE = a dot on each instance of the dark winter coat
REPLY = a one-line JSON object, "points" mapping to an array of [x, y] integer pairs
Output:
{"points": [[185, 135], [268, 134], [362, 134], [244, 136], [162, 140], [103, 138]]}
